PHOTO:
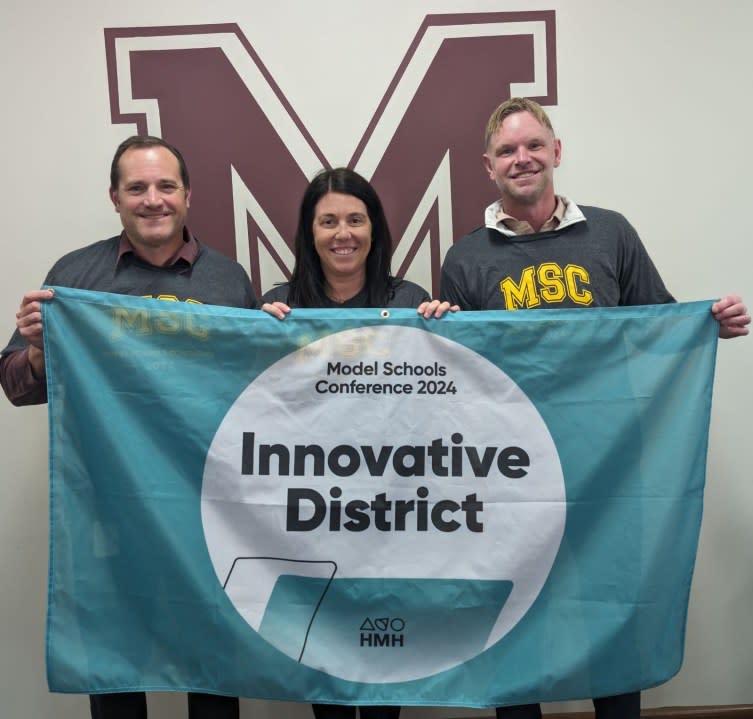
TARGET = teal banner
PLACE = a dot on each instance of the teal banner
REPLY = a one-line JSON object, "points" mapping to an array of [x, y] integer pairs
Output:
{"points": [[365, 507]]}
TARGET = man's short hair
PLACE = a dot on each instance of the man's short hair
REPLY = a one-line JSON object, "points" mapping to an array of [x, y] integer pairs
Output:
{"points": [[510, 107], [140, 142]]}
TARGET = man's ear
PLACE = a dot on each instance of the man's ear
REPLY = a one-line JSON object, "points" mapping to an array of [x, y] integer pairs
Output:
{"points": [[114, 199], [557, 151], [488, 166], [188, 197]]}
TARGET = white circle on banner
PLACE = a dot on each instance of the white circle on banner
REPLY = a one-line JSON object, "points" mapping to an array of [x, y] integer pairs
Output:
{"points": [[383, 504]]}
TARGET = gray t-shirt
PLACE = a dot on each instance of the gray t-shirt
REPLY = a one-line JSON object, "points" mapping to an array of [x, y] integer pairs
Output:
{"points": [[210, 279], [597, 263]]}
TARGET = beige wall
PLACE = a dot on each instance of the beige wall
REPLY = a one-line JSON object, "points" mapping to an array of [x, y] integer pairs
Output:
{"points": [[654, 112]]}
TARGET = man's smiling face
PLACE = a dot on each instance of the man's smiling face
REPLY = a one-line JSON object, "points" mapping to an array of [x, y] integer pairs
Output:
{"points": [[520, 158], [150, 198]]}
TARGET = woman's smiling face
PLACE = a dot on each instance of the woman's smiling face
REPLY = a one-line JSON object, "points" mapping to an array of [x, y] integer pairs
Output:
{"points": [[342, 236]]}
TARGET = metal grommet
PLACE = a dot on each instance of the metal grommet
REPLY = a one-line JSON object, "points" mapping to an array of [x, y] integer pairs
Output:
{"points": [[384, 314]]}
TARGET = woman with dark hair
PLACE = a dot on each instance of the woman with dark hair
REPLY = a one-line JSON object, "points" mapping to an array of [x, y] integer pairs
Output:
{"points": [[343, 250]]}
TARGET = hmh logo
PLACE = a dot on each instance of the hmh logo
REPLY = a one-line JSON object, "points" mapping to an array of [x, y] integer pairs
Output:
{"points": [[383, 632], [206, 90]]}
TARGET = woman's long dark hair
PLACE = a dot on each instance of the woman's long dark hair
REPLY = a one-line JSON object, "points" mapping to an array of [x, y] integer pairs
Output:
{"points": [[307, 283]]}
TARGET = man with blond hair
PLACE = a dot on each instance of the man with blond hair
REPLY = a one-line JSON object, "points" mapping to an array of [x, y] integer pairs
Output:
{"points": [[540, 250]]}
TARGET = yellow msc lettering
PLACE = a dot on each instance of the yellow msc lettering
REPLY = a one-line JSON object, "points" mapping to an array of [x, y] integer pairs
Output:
{"points": [[146, 321], [166, 322], [576, 277], [550, 281], [195, 329], [523, 294], [137, 320]]}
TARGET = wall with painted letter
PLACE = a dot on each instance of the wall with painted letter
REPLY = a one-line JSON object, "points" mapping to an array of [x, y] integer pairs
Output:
{"points": [[650, 102]]}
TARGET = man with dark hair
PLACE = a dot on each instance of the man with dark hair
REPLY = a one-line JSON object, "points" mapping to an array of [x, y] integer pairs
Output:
{"points": [[155, 256], [142, 142], [540, 250]]}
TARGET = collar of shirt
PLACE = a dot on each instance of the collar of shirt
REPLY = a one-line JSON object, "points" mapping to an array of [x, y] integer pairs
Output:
{"points": [[521, 227], [566, 213], [186, 254]]}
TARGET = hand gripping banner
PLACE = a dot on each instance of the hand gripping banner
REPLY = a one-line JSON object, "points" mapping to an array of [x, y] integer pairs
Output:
{"points": [[362, 506]]}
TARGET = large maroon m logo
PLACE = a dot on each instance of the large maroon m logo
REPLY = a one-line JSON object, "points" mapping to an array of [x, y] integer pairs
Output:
{"points": [[204, 89]]}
